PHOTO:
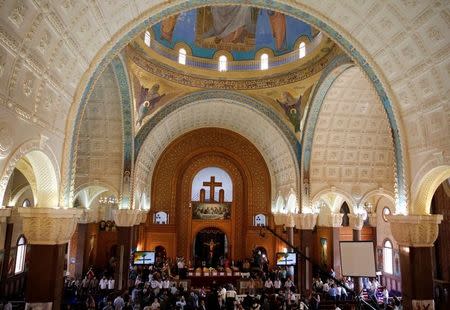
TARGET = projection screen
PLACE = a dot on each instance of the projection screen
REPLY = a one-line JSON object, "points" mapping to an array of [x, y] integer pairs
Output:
{"points": [[357, 259]]}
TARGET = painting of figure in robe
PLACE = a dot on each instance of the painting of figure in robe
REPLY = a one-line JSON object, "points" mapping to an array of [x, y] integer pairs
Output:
{"points": [[147, 101], [226, 27], [211, 211], [168, 26], [278, 25], [295, 108]]}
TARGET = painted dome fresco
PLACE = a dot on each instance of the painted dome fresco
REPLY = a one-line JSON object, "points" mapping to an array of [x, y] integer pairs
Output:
{"points": [[240, 30]]}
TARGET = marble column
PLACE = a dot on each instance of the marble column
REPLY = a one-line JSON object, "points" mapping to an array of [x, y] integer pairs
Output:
{"points": [[124, 219], [79, 239], [305, 223], [334, 222], [47, 231], [357, 223], [415, 235]]}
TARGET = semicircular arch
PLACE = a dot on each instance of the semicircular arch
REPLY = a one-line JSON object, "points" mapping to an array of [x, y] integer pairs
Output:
{"points": [[232, 111], [152, 15]]}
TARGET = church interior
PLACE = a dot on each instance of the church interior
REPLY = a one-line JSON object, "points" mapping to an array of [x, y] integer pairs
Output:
{"points": [[153, 153]]}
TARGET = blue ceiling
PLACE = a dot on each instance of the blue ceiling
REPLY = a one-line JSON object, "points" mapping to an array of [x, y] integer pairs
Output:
{"points": [[185, 31]]}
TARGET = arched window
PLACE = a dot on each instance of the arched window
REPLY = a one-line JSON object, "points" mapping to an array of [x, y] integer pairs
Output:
{"points": [[292, 203], [387, 257], [302, 50], [147, 38], [20, 258], [345, 210], [161, 218], [182, 56], [386, 212], [264, 62], [223, 63], [260, 220], [279, 204], [206, 175], [26, 203]]}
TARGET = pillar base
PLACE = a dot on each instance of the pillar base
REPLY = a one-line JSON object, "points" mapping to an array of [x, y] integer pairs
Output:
{"points": [[45, 276]]}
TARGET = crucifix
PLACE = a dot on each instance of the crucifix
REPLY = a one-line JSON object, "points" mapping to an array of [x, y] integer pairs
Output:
{"points": [[212, 184]]}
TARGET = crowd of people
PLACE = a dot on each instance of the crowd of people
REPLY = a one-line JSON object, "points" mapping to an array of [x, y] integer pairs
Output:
{"points": [[161, 286]]}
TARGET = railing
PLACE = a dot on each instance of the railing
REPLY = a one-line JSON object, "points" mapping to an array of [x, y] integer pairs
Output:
{"points": [[235, 65]]}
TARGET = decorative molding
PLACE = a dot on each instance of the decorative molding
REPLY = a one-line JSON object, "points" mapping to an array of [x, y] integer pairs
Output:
{"points": [[6, 141], [238, 98], [415, 230], [356, 221], [49, 226], [126, 217], [167, 72], [120, 72]]}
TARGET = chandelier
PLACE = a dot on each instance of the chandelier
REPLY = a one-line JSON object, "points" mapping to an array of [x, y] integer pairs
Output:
{"points": [[107, 200]]}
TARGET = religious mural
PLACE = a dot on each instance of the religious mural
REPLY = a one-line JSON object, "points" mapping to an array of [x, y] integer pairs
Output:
{"points": [[147, 101], [211, 211], [242, 30], [226, 27], [295, 108]]}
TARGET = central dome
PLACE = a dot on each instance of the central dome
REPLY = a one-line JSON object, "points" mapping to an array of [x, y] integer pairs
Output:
{"points": [[234, 38], [240, 30]]}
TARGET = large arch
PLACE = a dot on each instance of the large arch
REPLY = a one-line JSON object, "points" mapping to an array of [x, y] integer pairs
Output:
{"points": [[348, 141], [228, 110], [45, 170], [302, 11], [427, 187]]}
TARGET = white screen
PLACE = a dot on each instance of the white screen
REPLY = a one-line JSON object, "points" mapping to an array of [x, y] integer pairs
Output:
{"points": [[357, 259]]}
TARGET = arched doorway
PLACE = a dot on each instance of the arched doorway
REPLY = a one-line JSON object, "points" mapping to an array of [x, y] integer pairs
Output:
{"points": [[210, 247]]}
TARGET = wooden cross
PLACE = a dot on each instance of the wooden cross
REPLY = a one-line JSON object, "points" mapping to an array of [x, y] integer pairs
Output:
{"points": [[212, 184]]}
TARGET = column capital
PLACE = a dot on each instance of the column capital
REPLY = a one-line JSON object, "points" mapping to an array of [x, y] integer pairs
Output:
{"points": [[306, 221], [144, 214], [284, 219], [356, 221], [4, 213], [88, 216], [415, 230], [48, 226], [126, 217], [331, 220]]}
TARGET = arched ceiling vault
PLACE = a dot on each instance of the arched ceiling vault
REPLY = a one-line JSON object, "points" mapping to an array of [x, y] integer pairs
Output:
{"points": [[52, 52], [352, 147], [206, 109], [310, 12]]}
